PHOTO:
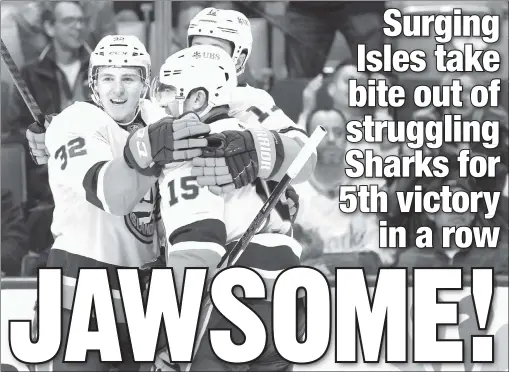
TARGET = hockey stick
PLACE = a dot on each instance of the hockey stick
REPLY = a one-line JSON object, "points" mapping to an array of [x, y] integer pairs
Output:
{"points": [[233, 255], [21, 84]]}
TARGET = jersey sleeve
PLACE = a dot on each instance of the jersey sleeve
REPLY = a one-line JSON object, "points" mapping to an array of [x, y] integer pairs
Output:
{"points": [[259, 108], [77, 148], [193, 218]]}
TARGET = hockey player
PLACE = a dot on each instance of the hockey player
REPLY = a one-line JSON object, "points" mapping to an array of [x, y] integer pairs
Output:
{"points": [[104, 209], [209, 224], [230, 30]]}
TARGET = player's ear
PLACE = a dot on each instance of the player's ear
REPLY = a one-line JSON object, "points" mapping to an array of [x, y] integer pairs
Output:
{"points": [[200, 99]]}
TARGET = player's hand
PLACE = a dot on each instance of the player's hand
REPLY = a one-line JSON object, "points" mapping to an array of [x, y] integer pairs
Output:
{"points": [[167, 141], [232, 160], [36, 136]]}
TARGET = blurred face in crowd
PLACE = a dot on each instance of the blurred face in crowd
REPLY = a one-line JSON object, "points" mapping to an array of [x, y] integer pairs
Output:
{"points": [[119, 90], [68, 26], [467, 83], [338, 89], [442, 219], [331, 149]]}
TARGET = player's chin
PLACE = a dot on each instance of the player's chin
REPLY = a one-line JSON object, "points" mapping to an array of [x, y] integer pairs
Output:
{"points": [[120, 110]]}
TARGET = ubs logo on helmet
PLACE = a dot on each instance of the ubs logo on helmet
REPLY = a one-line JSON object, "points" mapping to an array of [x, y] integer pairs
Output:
{"points": [[209, 55], [213, 56]]}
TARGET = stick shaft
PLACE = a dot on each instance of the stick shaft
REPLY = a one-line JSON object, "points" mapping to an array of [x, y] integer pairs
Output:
{"points": [[22, 86], [233, 255]]}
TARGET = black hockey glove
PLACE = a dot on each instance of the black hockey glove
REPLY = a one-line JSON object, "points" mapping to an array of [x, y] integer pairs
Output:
{"points": [[168, 140], [234, 159]]}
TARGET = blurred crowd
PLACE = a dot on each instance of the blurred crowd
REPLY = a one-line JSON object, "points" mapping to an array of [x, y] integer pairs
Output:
{"points": [[51, 42]]}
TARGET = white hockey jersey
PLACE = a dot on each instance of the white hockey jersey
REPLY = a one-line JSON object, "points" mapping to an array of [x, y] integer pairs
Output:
{"points": [[81, 140], [199, 224], [252, 105]]}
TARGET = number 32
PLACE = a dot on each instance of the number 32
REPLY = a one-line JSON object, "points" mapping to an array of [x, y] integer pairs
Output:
{"points": [[74, 148]]}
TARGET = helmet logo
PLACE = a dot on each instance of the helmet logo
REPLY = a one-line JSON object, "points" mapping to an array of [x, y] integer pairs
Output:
{"points": [[213, 56], [242, 21], [212, 12], [118, 38]]}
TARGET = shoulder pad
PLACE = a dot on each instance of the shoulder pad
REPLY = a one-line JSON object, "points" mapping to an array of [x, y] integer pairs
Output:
{"points": [[79, 118]]}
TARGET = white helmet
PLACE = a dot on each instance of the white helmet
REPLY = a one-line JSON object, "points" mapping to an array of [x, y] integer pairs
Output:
{"points": [[229, 25], [201, 66], [119, 51]]}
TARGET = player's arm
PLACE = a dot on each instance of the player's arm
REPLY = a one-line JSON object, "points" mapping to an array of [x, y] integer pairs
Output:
{"points": [[264, 150], [193, 221], [279, 132], [81, 158]]}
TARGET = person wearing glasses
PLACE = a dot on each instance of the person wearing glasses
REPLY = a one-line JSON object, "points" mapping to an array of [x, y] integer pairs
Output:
{"points": [[59, 76], [56, 79]]}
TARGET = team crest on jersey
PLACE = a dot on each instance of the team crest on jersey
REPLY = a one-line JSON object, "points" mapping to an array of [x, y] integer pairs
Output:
{"points": [[132, 127], [140, 222]]}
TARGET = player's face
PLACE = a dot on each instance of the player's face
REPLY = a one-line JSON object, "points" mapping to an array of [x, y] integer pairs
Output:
{"points": [[207, 40], [194, 103], [119, 89]]}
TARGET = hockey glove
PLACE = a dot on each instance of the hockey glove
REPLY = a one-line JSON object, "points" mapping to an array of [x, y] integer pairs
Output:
{"points": [[36, 137], [235, 159], [168, 140]]}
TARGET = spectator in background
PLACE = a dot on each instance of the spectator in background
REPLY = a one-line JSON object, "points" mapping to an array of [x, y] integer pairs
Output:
{"points": [[323, 230], [469, 112], [59, 76], [14, 236], [312, 26], [99, 15], [455, 256]]}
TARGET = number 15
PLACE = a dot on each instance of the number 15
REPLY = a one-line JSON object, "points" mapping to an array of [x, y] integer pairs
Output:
{"points": [[188, 189]]}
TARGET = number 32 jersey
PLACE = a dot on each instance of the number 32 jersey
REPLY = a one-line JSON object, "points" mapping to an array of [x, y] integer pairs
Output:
{"points": [[81, 140]]}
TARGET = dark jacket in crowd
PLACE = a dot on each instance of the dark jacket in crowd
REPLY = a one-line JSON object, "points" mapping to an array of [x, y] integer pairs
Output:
{"points": [[42, 81], [14, 235]]}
